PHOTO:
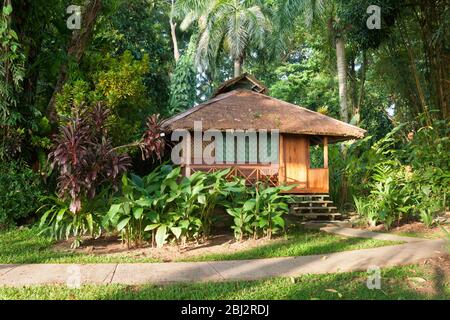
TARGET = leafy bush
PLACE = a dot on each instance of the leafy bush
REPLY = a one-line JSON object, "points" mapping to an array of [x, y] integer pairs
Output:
{"points": [[59, 222], [85, 157], [261, 213], [164, 206], [88, 164], [407, 177], [20, 189], [167, 206]]}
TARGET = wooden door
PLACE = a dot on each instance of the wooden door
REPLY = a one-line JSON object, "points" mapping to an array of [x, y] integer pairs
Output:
{"points": [[296, 160]]}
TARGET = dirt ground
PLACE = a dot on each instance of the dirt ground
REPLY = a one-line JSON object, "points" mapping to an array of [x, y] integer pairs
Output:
{"points": [[217, 244], [414, 229], [438, 282]]}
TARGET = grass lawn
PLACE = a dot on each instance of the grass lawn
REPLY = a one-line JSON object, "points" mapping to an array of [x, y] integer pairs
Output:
{"points": [[407, 282], [25, 246]]}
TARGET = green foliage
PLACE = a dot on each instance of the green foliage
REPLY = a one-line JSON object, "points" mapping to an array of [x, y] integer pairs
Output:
{"points": [[182, 85], [405, 176], [164, 206], [116, 82], [121, 82], [167, 206], [261, 213], [20, 189], [353, 13], [12, 69], [306, 83], [59, 222], [140, 26], [226, 26]]}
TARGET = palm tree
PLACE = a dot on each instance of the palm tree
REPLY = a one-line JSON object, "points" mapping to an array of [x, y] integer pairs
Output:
{"points": [[311, 10], [234, 26]]}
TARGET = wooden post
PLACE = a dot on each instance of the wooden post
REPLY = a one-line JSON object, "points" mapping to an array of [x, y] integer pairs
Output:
{"points": [[281, 165], [325, 152], [187, 160]]}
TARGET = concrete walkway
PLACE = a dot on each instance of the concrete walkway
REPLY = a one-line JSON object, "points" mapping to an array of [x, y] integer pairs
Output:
{"points": [[413, 251], [358, 233]]}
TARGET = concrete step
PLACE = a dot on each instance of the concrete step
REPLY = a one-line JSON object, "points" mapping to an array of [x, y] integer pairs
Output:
{"points": [[313, 201], [316, 214], [313, 208], [310, 196]]}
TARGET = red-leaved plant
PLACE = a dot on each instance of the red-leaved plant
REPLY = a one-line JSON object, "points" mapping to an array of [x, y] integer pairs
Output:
{"points": [[85, 157], [153, 142]]}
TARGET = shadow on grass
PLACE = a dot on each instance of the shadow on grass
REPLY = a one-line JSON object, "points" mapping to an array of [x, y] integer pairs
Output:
{"points": [[346, 286], [25, 246], [301, 243]]}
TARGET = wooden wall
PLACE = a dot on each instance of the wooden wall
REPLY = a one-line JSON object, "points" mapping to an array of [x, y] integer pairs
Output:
{"points": [[295, 165]]}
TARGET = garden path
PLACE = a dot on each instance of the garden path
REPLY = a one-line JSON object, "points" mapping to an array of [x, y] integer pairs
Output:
{"points": [[414, 250]]}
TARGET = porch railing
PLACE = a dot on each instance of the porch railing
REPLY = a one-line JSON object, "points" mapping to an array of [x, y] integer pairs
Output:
{"points": [[250, 173]]}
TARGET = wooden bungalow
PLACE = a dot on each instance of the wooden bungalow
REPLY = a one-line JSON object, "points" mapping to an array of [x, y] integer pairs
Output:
{"points": [[243, 103]]}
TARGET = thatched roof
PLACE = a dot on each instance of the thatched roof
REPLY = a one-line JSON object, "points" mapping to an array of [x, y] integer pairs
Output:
{"points": [[244, 81], [246, 109]]}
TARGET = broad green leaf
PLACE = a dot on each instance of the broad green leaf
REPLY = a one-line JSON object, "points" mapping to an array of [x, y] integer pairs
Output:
{"points": [[152, 215], [249, 205], [124, 180], [202, 199], [122, 224], [144, 202], [113, 210], [137, 180], [279, 221], [176, 231], [152, 226], [126, 208], [161, 236], [137, 212], [44, 217]]}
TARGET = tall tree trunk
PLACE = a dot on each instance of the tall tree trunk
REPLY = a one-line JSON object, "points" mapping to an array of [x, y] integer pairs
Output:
{"points": [[353, 92], [342, 77], [362, 83], [78, 43], [238, 66], [415, 73], [173, 26]]}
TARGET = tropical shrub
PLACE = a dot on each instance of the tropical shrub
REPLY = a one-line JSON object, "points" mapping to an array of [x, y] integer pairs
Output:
{"points": [[85, 158], [59, 222], [87, 164], [407, 177], [261, 213], [127, 214], [20, 190], [164, 206]]}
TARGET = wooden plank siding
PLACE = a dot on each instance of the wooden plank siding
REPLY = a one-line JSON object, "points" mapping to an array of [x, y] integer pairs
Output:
{"points": [[296, 160], [293, 167]]}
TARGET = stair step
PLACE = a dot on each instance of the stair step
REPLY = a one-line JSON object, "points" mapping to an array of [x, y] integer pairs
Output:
{"points": [[316, 214], [309, 196], [314, 201], [314, 208]]}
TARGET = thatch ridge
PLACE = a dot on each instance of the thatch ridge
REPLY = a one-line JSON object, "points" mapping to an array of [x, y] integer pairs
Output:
{"points": [[221, 89]]}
